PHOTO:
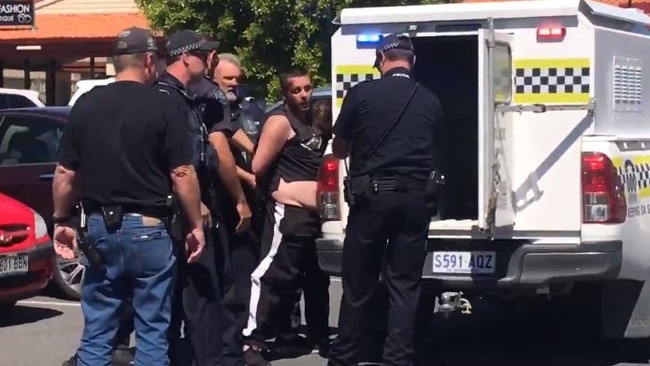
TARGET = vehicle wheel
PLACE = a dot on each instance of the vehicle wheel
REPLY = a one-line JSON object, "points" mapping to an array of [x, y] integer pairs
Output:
{"points": [[68, 276]]}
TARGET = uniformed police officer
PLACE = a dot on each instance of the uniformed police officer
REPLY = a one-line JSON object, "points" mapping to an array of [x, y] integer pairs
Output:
{"points": [[388, 128], [230, 207], [199, 292], [123, 141]]}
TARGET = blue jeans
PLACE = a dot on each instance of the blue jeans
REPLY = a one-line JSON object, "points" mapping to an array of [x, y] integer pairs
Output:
{"points": [[140, 262]]}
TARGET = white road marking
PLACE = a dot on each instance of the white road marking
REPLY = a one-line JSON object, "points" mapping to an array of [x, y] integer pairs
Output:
{"points": [[48, 303]]}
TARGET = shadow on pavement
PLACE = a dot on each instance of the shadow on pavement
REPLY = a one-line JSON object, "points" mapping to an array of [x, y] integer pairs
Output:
{"points": [[20, 315]]}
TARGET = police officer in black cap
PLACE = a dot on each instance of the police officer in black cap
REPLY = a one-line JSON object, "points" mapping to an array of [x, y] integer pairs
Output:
{"points": [[388, 128], [230, 207], [198, 294]]}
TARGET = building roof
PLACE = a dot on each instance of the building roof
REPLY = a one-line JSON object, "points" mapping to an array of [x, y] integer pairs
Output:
{"points": [[58, 20], [57, 27]]}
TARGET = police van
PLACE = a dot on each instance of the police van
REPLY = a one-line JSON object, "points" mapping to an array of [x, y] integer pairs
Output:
{"points": [[547, 149]]}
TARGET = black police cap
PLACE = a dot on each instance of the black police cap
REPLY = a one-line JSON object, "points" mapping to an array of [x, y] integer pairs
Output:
{"points": [[393, 42], [134, 40], [187, 41]]}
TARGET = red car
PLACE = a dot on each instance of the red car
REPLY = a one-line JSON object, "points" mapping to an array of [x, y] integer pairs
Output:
{"points": [[26, 252], [29, 141]]}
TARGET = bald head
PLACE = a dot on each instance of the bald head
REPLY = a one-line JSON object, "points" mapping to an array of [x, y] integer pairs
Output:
{"points": [[227, 74]]}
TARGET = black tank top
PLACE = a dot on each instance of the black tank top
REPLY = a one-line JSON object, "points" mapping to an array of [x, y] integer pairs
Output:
{"points": [[300, 157]]}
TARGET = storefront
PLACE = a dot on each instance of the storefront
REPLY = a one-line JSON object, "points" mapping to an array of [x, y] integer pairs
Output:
{"points": [[64, 41]]}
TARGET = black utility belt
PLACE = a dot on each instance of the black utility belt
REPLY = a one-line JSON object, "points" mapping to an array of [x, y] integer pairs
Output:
{"points": [[150, 211], [399, 184]]}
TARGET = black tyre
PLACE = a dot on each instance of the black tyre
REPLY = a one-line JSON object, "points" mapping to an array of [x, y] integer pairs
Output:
{"points": [[68, 276]]}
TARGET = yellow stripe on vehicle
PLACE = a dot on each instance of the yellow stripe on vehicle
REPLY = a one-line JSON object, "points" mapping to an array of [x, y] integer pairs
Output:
{"points": [[348, 76], [561, 80]]}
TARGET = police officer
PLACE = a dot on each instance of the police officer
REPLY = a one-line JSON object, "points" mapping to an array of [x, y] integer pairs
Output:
{"points": [[198, 293], [285, 164], [246, 112], [122, 355], [230, 208], [388, 128], [124, 142]]}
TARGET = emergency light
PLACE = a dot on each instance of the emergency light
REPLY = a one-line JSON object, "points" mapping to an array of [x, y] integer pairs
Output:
{"points": [[551, 32], [368, 39]]}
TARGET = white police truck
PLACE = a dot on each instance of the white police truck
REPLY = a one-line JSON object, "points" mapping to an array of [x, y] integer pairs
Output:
{"points": [[547, 150]]}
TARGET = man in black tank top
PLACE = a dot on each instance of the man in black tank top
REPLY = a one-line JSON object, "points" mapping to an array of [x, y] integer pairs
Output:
{"points": [[285, 164]]}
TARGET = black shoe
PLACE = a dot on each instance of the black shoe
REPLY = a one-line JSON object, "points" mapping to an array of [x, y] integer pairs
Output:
{"points": [[253, 357], [322, 347], [292, 346], [72, 361], [122, 357]]}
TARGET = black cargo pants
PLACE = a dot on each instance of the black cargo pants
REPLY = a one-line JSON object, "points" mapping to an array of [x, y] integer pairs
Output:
{"points": [[197, 307], [385, 231], [243, 258]]}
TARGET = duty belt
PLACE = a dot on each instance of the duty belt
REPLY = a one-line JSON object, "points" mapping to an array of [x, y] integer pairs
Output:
{"points": [[394, 184], [151, 211]]}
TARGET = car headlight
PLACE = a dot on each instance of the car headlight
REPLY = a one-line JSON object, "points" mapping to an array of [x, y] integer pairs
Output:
{"points": [[40, 228]]}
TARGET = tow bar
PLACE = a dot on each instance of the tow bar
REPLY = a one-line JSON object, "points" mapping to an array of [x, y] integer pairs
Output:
{"points": [[449, 302]]}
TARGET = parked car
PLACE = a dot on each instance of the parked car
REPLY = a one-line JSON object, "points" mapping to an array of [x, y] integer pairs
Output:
{"points": [[84, 86], [19, 98], [29, 141], [26, 253]]}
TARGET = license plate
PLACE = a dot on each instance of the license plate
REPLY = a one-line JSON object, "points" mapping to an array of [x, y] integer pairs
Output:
{"points": [[14, 264], [464, 262]]}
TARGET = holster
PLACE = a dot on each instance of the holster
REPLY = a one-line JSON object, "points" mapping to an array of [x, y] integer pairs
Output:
{"points": [[355, 189], [432, 190], [347, 191], [113, 216], [176, 222]]}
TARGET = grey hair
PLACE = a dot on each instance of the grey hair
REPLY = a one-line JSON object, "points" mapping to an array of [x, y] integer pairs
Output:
{"points": [[231, 58]]}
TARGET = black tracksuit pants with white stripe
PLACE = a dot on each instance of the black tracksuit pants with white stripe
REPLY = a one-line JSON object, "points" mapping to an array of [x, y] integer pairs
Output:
{"points": [[290, 263]]}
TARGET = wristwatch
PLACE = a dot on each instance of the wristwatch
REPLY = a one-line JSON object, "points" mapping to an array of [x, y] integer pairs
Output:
{"points": [[60, 220]]}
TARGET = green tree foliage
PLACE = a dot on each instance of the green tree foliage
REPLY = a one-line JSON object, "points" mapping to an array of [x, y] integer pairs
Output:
{"points": [[268, 35]]}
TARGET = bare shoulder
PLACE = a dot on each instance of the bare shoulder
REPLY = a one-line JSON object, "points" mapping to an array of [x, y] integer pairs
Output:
{"points": [[276, 121]]}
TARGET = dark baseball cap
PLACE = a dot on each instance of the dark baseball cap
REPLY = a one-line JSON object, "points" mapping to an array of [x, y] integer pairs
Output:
{"points": [[134, 40], [393, 42], [187, 41]]}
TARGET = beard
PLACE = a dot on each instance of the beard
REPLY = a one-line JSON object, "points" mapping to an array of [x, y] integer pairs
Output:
{"points": [[231, 96]]}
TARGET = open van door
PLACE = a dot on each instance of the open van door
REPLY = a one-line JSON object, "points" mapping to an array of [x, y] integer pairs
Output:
{"points": [[496, 212]]}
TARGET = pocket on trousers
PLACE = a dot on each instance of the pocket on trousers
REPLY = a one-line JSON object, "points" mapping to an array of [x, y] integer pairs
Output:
{"points": [[150, 236], [154, 249]]}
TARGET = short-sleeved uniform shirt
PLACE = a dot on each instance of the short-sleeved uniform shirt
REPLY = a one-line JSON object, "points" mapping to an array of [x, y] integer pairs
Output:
{"points": [[216, 114], [368, 110], [123, 140]]}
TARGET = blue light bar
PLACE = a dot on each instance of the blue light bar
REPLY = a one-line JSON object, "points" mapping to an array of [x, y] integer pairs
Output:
{"points": [[368, 38]]}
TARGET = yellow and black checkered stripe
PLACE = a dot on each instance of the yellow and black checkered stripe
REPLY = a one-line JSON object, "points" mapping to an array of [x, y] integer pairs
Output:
{"points": [[564, 80], [348, 76], [635, 174]]}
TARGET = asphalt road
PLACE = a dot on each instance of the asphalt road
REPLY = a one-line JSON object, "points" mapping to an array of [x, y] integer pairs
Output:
{"points": [[44, 331]]}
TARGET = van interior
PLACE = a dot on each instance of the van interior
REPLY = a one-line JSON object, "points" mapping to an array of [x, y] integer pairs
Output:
{"points": [[448, 66]]}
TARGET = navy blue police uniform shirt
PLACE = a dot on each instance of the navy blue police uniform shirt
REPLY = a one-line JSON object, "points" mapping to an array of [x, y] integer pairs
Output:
{"points": [[178, 95], [123, 139], [368, 110]]}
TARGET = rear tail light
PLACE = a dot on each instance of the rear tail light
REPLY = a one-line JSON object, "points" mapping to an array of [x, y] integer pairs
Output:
{"points": [[551, 32], [328, 189], [603, 198]]}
